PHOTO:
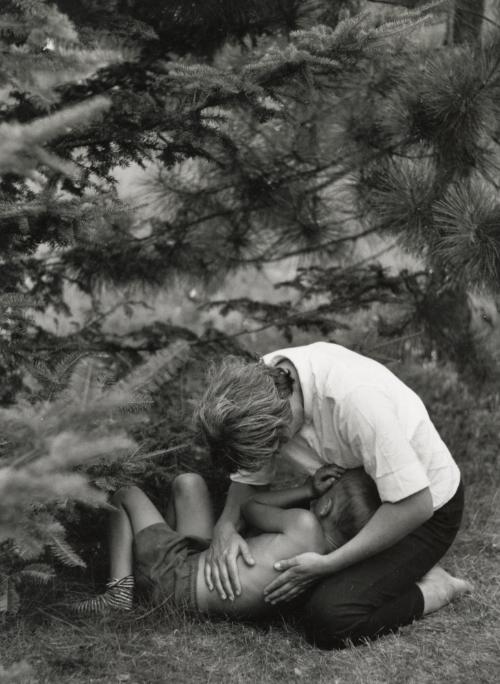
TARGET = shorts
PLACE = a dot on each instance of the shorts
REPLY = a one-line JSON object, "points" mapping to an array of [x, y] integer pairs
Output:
{"points": [[166, 565]]}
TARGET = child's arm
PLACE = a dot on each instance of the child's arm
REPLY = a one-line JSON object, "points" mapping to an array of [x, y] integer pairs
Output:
{"points": [[268, 518], [314, 486], [264, 517], [285, 498]]}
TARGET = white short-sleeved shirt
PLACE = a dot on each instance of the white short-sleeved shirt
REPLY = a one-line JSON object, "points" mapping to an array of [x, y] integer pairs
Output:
{"points": [[358, 413]]}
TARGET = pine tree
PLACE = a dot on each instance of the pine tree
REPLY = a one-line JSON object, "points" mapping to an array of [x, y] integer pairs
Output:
{"points": [[300, 145], [53, 438], [67, 444], [243, 180]]}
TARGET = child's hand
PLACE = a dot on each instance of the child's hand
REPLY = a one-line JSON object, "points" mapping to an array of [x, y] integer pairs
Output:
{"points": [[296, 575], [324, 477]]}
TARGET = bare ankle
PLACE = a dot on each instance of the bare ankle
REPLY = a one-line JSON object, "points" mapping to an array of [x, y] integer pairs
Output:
{"points": [[439, 588]]}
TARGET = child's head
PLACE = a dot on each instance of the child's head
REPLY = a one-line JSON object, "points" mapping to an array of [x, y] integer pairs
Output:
{"points": [[244, 413], [346, 507]]}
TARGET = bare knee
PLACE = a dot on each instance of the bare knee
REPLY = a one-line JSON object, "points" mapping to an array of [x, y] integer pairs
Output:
{"points": [[126, 495], [188, 485]]}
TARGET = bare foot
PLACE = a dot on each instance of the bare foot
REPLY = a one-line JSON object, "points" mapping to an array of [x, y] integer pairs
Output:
{"points": [[439, 588]]}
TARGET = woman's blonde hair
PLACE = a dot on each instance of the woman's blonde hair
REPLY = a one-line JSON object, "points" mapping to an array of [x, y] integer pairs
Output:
{"points": [[244, 413]]}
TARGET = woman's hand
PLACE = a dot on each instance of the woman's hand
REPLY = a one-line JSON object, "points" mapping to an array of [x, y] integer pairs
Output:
{"points": [[324, 477], [221, 570], [297, 574]]}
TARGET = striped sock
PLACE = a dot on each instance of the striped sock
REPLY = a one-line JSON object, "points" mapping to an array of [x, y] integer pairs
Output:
{"points": [[118, 596], [120, 592]]}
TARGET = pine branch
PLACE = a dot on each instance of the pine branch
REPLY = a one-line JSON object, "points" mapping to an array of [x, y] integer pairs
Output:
{"points": [[37, 573], [161, 367], [27, 546], [21, 148], [63, 552], [338, 290], [468, 218], [41, 76]]}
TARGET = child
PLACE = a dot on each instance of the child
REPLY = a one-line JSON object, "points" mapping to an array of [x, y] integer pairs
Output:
{"points": [[168, 557]]}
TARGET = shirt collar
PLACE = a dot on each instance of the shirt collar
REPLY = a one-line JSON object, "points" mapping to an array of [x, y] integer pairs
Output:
{"points": [[298, 357]]}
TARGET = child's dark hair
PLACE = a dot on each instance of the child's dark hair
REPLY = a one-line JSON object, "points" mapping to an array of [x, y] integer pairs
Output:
{"points": [[354, 499]]}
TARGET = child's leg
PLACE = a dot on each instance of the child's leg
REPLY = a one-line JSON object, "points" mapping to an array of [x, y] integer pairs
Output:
{"points": [[189, 513], [133, 512], [192, 506]]}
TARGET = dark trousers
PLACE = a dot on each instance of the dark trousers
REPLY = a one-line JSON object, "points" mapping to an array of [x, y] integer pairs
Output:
{"points": [[379, 594]]}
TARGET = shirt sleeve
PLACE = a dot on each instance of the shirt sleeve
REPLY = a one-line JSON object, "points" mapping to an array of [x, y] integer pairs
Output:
{"points": [[264, 476], [374, 432]]}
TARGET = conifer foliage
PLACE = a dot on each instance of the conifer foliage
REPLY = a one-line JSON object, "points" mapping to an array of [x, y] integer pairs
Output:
{"points": [[54, 446], [76, 414], [298, 146], [38, 56]]}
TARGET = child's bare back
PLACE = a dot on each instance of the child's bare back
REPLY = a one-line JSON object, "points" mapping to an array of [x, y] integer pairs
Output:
{"points": [[303, 533]]}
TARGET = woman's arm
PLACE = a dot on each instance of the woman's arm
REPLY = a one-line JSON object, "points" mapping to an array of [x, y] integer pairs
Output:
{"points": [[221, 570], [231, 516], [390, 523]]}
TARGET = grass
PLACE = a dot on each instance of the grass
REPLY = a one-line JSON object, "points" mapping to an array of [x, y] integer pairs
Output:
{"points": [[460, 643]]}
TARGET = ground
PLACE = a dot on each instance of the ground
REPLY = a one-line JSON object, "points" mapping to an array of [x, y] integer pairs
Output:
{"points": [[459, 644]]}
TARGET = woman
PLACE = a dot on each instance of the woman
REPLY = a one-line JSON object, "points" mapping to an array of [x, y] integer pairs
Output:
{"points": [[321, 405]]}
